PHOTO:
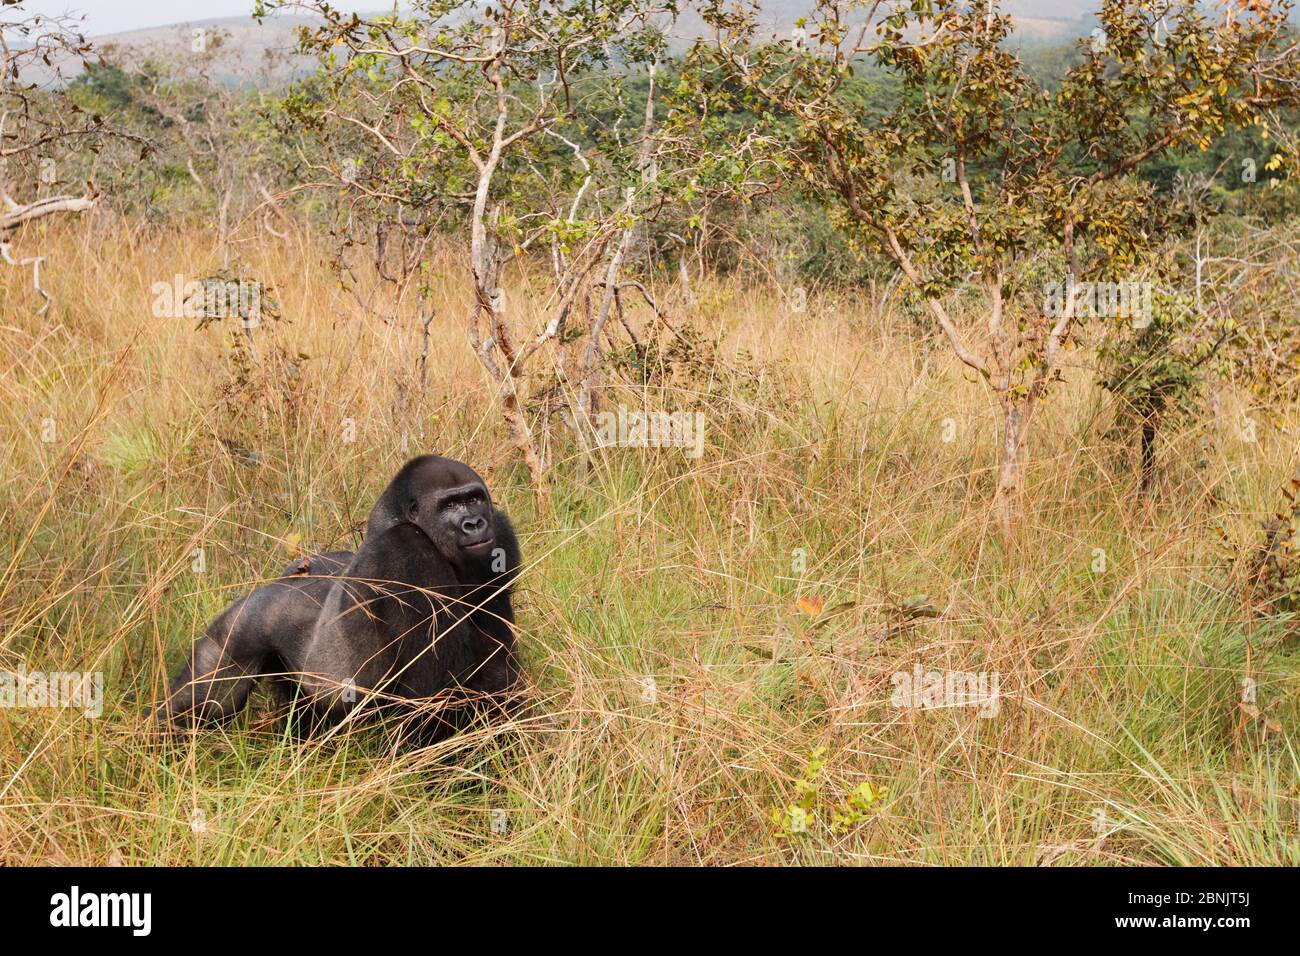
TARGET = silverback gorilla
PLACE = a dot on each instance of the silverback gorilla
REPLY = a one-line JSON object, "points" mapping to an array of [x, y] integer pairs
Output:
{"points": [[416, 623]]}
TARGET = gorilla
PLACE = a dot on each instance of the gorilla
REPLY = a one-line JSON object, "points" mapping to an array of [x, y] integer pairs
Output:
{"points": [[417, 623]]}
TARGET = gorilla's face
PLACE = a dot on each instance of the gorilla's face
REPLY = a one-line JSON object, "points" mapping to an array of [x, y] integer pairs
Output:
{"points": [[450, 504]]}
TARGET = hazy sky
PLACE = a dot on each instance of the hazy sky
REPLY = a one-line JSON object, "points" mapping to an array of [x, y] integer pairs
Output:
{"points": [[113, 16]]}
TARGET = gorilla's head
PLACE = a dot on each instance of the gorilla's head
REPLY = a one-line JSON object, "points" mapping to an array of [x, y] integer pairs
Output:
{"points": [[447, 501]]}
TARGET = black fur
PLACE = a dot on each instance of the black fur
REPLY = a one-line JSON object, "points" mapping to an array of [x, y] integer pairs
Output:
{"points": [[416, 623]]}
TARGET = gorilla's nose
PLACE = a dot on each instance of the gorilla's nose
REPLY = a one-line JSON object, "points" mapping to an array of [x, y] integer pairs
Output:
{"points": [[474, 525]]}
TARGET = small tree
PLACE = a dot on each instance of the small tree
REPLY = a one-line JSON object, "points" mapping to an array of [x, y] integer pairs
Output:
{"points": [[1155, 372], [1236, 322], [982, 181], [458, 108]]}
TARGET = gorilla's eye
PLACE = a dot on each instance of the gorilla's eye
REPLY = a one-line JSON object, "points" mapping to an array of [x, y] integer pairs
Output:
{"points": [[413, 508]]}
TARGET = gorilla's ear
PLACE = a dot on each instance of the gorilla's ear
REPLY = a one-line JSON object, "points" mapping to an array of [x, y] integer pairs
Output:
{"points": [[422, 517], [419, 507]]}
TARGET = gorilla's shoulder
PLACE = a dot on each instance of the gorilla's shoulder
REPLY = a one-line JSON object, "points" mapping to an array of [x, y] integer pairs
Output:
{"points": [[402, 553]]}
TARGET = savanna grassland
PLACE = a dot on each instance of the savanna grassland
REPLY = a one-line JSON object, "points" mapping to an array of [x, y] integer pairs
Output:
{"points": [[708, 643]]}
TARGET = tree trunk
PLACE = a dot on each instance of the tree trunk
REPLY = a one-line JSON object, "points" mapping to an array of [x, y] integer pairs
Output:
{"points": [[1011, 464], [523, 438], [505, 371], [592, 353]]}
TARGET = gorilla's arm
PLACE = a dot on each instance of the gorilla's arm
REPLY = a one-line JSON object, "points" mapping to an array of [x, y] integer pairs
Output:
{"points": [[254, 636], [493, 617], [472, 670]]}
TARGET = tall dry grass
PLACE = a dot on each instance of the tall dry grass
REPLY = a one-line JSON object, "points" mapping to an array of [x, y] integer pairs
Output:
{"points": [[679, 685]]}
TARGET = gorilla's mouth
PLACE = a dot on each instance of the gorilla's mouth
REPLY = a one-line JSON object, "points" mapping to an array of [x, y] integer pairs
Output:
{"points": [[478, 547]]}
